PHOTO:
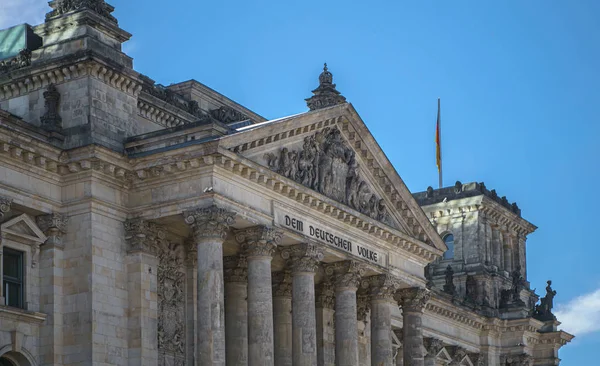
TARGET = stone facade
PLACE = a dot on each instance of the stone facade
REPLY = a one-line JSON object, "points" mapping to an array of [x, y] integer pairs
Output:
{"points": [[150, 225]]}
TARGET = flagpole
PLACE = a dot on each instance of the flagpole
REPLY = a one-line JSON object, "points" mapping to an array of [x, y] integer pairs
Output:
{"points": [[439, 121]]}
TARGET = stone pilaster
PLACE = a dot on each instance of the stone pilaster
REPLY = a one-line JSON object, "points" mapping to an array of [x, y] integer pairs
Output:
{"points": [[382, 289], [282, 317], [210, 226], [432, 346], [347, 276], [363, 310], [236, 310], [51, 287], [325, 300], [259, 244], [142, 267], [303, 259], [191, 261], [413, 301]]}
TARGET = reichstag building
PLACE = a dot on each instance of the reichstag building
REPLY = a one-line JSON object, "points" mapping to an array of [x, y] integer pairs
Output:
{"points": [[144, 224]]}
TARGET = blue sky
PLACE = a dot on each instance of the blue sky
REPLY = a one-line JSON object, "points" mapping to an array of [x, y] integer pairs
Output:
{"points": [[518, 82]]}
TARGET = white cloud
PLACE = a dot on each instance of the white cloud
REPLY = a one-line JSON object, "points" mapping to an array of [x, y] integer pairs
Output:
{"points": [[580, 315], [22, 11]]}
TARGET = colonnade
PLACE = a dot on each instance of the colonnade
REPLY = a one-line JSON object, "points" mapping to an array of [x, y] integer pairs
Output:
{"points": [[276, 318]]}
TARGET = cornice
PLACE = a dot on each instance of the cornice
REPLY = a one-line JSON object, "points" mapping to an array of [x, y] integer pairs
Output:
{"points": [[21, 315], [447, 310], [161, 112], [497, 214]]}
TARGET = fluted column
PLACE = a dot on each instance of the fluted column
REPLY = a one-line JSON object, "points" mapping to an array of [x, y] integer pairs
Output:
{"points": [[347, 275], [325, 300], [413, 301], [236, 310], [209, 226], [382, 289], [433, 346], [259, 243], [142, 284], [282, 317], [51, 287], [303, 260]]}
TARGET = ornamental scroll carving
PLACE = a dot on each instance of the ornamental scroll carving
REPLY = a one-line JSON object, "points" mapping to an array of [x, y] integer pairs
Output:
{"points": [[171, 302], [383, 287], [303, 257], [209, 222], [100, 7], [328, 165], [413, 299]]}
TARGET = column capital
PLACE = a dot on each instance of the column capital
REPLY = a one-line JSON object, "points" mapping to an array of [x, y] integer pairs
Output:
{"points": [[258, 241], [235, 268], [303, 257], [325, 295], [413, 298], [347, 273], [54, 225], [5, 205], [209, 222], [282, 284], [383, 287], [143, 236], [433, 346]]}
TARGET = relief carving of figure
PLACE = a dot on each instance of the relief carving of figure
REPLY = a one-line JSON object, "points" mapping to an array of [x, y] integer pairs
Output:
{"points": [[328, 165]]}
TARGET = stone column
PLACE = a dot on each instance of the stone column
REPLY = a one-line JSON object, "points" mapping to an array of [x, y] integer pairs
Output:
{"points": [[325, 300], [259, 243], [413, 300], [142, 267], [191, 296], [303, 259], [282, 317], [382, 292], [347, 275], [51, 287], [209, 226], [236, 310], [433, 346]]}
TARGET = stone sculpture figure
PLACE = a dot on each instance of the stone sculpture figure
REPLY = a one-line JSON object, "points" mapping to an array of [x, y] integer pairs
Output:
{"points": [[328, 165], [517, 282], [449, 287], [543, 311]]}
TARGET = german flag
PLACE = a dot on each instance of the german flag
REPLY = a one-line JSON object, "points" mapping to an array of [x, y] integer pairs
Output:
{"points": [[438, 140]]}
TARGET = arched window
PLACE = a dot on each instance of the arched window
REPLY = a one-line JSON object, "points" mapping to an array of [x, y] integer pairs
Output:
{"points": [[449, 240], [6, 362]]}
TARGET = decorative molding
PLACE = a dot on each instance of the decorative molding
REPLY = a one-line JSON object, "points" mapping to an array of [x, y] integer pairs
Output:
{"points": [[303, 257], [282, 284], [54, 226], [61, 7], [143, 236], [227, 114], [5, 206], [325, 95], [522, 359], [383, 287], [21, 60], [325, 295], [235, 268], [433, 346], [209, 222], [328, 165], [413, 299]]}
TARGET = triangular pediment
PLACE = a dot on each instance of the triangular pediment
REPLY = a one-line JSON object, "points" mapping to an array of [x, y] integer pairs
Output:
{"points": [[331, 152], [24, 227]]}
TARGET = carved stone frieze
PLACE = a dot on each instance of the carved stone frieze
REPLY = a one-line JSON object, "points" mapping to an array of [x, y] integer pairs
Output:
{"points": [[54, 226], [433, 346], [458, 355], [478, 359], [258, 241], [235, 268], [23, 59], [171, 300], [209, 222], [325, 295], [143, 236], [413, 299], [383, 287], [227, 115], [303, 257], [328, 165], [363, 306], [191, 253], [345, 273], [282, 284], [5, 205], [522, 359], [100, 7], [51, 120]]}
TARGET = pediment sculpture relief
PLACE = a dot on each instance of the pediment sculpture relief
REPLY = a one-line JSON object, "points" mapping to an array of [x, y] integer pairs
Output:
{"points": [[328, 165]]}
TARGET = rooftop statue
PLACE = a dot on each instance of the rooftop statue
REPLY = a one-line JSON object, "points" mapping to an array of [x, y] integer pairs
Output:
{"points": [[543, 311]]}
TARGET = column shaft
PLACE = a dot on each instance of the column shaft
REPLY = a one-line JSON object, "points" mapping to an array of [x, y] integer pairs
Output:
{"points": [[381, 333], [236, 323], [346, 327], [304, 319], [325, 297], [260, 312], [282, 315], [413, 301]]}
